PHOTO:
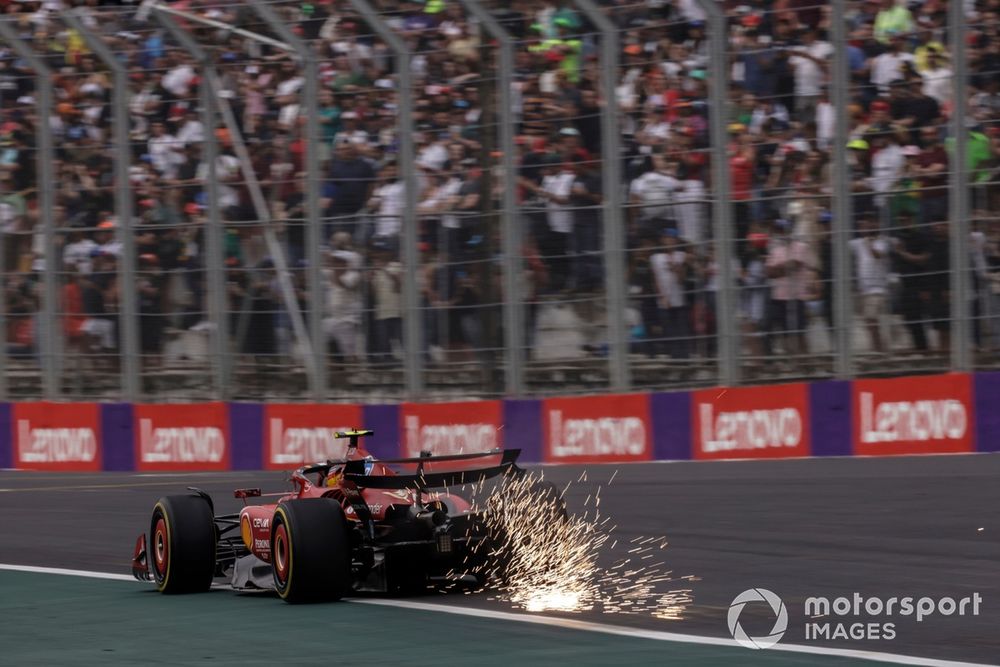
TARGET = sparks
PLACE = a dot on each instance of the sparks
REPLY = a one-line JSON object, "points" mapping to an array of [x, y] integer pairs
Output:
{"points": [[547, 560]]}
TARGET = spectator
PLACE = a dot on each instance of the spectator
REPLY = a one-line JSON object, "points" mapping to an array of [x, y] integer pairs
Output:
{"points": [[889, 66], [870, 251], [386, 287], [938, 283], [388, 202], [652, 193], [670, 271], [809, 62], [911, 250], [351, 182], [788, 267], [344, 304]]}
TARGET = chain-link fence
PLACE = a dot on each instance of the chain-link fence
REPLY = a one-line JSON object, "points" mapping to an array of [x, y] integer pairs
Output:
{"points": [[450, 198]]}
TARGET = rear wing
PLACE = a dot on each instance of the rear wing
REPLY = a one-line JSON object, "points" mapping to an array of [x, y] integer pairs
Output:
{"points": [[354, 471]]}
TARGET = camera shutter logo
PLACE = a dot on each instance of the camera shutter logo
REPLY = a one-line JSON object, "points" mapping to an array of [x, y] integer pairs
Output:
{"points": [[780, 622]]}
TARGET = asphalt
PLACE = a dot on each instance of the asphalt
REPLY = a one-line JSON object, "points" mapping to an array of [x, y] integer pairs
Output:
{"points": [[890, 527]]}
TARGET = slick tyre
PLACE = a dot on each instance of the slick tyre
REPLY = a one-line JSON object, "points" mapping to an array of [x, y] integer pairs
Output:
{"points": [[310, 551], [182, 544]]}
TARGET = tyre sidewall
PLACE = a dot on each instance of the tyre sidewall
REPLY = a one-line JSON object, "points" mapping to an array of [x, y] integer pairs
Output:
{"points": [[189, 547]]}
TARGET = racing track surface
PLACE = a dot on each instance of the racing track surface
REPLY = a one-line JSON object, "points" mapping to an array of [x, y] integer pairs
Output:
{"points": [[812, 527]]}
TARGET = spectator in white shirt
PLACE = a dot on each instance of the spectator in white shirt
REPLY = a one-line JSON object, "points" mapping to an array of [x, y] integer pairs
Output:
{"points": [[652, 193], [789, 267], [165, 151], [871, 273], [177, 80], [556, 188], [809, 64], [388, 201], [937, 78], [887, 166], [670, 270], [343, 304], [191, 130], [888, 67]]}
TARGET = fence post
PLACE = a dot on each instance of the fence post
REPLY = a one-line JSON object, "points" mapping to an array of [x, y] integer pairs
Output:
{"points": [[214, 269], [314, 229], [959, 184], [128, 315], [412, 312], [511, 233], [841, 204], [614, 221], [48, 323], [726, 302]]}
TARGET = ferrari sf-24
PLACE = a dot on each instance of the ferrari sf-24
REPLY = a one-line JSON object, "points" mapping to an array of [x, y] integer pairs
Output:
{"points": [[353, 524]]}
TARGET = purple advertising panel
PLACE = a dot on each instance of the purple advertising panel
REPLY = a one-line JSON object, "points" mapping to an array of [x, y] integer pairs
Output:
{"points": [[116, 431], [246, 431], [6, 437], [522, 422], [830, 418], [986, 389], [670, 415], [384, 420]]}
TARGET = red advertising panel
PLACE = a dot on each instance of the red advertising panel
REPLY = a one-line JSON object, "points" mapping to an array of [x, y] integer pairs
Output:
{"points": [[57, 436], [751, 422], [913, 415], [193, 436], [299, 433], [451, 428], [597, 429]]}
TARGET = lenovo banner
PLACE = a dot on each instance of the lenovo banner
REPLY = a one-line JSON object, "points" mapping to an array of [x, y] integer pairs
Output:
{"points": [[597, 429], [751, 422], [57, 436], [192, 436], [296, 434], [913, 415], [451, 428]]}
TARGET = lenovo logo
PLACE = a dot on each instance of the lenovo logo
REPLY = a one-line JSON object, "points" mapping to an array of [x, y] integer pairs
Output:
{"points": [[748, 429], [918, 421], [201, 444], [54, 445], [603, 436], [448, 438], [301, 445]]}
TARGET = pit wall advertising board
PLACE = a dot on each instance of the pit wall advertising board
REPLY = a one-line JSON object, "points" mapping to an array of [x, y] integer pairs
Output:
{"points": [[913, 415], [746, 423], [192, 436], [450, 428], [597, 429], [939, 414], [56, 436], [300, 433]]}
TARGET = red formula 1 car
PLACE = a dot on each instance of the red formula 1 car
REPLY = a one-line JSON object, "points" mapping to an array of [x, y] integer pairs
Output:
{"points": [[349, 525]]}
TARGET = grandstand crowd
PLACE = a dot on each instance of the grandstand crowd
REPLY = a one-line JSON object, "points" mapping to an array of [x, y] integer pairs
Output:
{"points": [[780, 124]]}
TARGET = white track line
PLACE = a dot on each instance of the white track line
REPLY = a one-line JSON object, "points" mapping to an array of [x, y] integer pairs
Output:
{"points": [[572, 624], [72, 573]]}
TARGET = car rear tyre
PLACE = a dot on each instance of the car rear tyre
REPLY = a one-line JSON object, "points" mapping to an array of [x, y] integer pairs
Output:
{"points": [[310, 550], [182, 544]]}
